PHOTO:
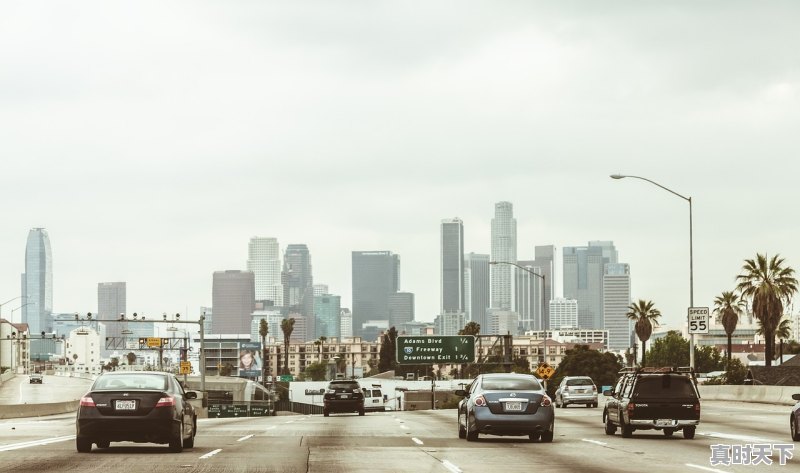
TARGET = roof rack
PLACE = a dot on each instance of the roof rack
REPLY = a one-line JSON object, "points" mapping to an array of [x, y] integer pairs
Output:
{"points": [[655, 369]]}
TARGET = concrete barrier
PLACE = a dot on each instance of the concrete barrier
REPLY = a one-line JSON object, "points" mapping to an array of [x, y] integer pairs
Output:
{"points": [[762, 394], [13, 411]]}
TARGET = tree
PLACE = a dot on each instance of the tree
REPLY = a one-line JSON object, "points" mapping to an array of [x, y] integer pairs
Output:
{"points": [[472, 328], [388, 354], [728, 307], [114, 363], [603, 368], [769, 285], [645, 315], [131, 357], [287, 327], [316, 371], [672, 350], [263, 331]]}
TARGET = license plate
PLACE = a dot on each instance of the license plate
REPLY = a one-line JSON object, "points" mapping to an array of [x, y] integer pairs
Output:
{"points": [[125, 405], [344, 396], [513, 406], [581, 391], [664, 422], [375, 401]]}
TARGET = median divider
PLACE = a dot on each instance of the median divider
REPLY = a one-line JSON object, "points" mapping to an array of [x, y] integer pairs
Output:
{"points": [[747, 393], [13, 411]]}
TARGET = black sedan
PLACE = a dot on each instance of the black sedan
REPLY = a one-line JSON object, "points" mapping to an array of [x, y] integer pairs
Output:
{"points": [[136, 406], [505, 404], [343, 395]]}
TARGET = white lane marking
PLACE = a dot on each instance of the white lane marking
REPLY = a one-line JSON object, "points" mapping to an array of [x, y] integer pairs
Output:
{"points": [[271, 427], [245, 438], [211, 454], [288, 422], [596, 442], [417, 441], [451, 467], [35, 443], [705, 468], [744, 438], [403, 427]]}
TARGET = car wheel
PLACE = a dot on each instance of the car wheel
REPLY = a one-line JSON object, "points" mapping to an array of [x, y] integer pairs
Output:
{"points": [[176, 443], [361, 412], [189, 442], [627, 430], [547, 435], [325, 413], [534, 436], [83, 444], [611, 429], [471, 436], [793, 429], [462, 431], [103, 444], [668, 432], [558, 404], [688, 432]]}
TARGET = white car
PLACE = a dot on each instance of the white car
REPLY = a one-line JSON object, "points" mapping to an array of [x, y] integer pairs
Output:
{"points": [[576, 390]]}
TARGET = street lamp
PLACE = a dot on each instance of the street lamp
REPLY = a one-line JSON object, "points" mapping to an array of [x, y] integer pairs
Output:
{"points": [[691, 264], [11, 300], [544, 322]]}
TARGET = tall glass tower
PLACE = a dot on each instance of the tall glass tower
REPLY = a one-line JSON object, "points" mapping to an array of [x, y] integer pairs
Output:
{"points": [[504, 248], [37, 282], [264, 260], [452, 266], [298, 287]]}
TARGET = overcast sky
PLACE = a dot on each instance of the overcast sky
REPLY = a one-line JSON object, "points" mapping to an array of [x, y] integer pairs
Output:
{"points": [[153, 139]]}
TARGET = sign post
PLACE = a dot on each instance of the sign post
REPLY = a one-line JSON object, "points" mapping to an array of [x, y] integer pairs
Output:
{"points": [[698, 319]]}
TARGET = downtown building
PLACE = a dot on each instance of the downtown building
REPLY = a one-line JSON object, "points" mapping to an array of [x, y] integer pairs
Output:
{"points": [[298, 291], [401, 308], [263, 260], [327, 311], [476, 288], [451, 265], [111, 304], [616, 300], [37, 282], [584, 269], [233, 302], [375, 277], [504, 249]]}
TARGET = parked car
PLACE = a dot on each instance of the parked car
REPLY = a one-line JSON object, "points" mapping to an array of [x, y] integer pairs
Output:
{"points": [[505, 404], [576, 390], [794, 419], [343, 395], [136, 406], [35, 378], [653, 399]]}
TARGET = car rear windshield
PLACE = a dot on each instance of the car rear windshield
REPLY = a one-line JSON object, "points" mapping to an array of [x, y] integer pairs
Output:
{"points": [[580, 382], [664, 386], [131, 381], [511, 384], [344, 386]]}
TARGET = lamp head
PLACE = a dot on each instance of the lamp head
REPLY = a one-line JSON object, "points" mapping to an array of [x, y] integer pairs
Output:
{"points": [[177, 316], [617, 176], [135, 315]]}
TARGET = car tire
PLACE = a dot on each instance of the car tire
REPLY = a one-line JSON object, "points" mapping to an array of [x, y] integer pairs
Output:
{"points": [[176, 443], [558, 404], [326, 413], [611, 429], [103, 444], [534, 436], [83, 445], [189, 442], [668, 432], [471, 436], [547, 435], [462, 431], [361, 412], [627, 430], [688, 432], [793, 429]]}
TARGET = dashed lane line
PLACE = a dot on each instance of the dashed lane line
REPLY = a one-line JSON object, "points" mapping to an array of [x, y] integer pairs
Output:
{"points": [[596, 442], [35, 443], [451, 466], [245, 438], [705, 468], [210, 454], [417, 441]]}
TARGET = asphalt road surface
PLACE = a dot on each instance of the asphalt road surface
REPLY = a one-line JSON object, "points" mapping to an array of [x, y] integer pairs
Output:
{"points": [[420, 442], [19, 390]]}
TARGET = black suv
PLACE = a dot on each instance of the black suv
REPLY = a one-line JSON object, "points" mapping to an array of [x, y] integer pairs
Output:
{"points": [[343, 395], [663, 399]]}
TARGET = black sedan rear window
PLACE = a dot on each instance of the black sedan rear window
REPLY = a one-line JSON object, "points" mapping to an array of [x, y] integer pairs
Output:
{"points": [[344, 386], [511, 384], [131, 381], [664, 386]]}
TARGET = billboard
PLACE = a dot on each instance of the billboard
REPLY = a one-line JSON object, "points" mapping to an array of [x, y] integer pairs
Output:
{"points": [[250, 359]]}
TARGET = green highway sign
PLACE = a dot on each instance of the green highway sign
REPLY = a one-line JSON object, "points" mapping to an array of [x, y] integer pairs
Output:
{"points": [[286, 378], [435, 349]]}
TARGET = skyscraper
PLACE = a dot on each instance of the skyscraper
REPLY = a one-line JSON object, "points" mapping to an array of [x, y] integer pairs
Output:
{"points": [[37, 282], [452, 266], [263, 260], [376, 276], [584, 267], [476, 292], [111, 301], [616, 299], [528, 296], [401, 308], [545, 261], [327, 309], [233, 299], [298, 287], [504, 248]]}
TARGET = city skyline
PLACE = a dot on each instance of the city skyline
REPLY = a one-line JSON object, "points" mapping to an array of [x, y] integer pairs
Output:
{"points": [[153, 159]]}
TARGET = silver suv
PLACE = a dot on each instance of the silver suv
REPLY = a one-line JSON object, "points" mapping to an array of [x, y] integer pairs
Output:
{"points": [[35, 378], [576, 390]]}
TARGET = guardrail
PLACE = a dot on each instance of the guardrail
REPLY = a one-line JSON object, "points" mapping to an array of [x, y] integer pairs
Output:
{"points": [[13, 411]]}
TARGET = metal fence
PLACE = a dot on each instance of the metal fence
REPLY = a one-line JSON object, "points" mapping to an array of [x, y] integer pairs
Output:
{"points": [[298, 407]]}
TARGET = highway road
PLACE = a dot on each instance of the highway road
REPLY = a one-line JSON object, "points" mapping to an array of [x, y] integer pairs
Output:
{"points": [[420, 441], [18, 390]]}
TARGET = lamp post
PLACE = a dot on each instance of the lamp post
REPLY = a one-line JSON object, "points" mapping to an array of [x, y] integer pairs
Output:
{"points": [[11, 300], [544, 323], [691, 264]]}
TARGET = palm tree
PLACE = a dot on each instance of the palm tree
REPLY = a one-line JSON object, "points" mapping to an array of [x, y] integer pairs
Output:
{"points": [[769, 285], [782, 332], [287, 326], [263, 331], [472, 328], [645, 316], [728, 307], [131, 356]]}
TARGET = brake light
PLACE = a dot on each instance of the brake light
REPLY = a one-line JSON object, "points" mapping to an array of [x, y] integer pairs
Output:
{"points": [[87, 401], [697, 409], [167, 401], [630, 408], [356, 391], [594, 389], [480, 401], [330, 391], [546, 401]]}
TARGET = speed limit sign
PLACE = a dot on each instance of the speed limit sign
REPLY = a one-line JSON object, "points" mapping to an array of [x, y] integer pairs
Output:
{"points": [[698, 319]]}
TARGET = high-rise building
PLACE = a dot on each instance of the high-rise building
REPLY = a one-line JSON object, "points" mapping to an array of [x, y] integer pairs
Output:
{"points": [[233, 301], [345, 323], [401, 308], [545, 261], [376, 276], [502, 322], [298, 287], [584, 267], [327, 310], [263, 260], [449, 323], [111, 302], [504, 249], [616, 299], [451, 284], [528, 296], [476, 284], [320, 289], [563, 313], [37, 283]]}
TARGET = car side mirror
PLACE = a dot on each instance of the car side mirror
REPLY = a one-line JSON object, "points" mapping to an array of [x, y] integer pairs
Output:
{"points": [[191, 395], [608, 392], [796, 397], [461, 392]]}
